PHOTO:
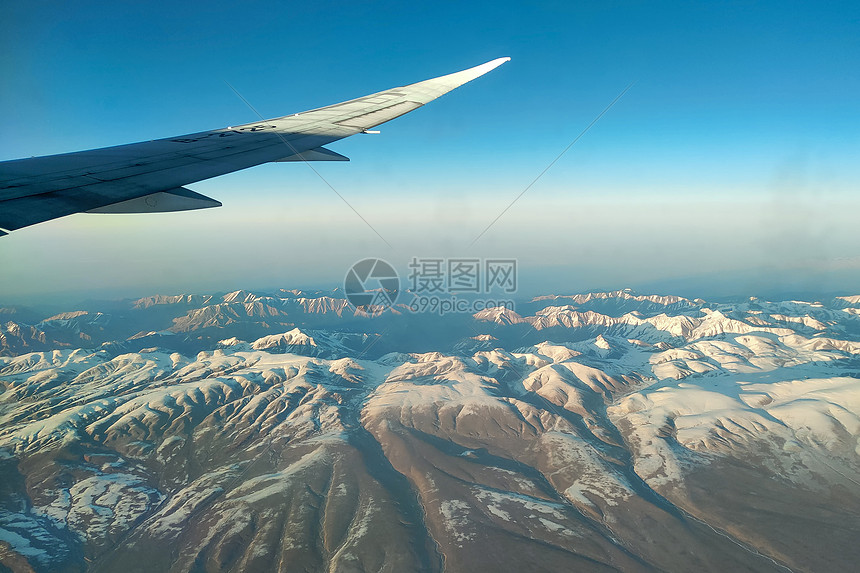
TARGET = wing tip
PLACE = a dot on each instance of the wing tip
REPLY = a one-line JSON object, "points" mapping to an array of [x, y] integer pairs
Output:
{"points": [[497, 62], [488, 67]]}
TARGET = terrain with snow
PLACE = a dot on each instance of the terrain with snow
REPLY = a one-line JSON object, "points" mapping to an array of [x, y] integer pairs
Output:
{"points": [[284, 432]]}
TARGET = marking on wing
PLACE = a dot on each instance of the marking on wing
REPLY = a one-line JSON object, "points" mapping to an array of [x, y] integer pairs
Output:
{"points": [[376, 117]]}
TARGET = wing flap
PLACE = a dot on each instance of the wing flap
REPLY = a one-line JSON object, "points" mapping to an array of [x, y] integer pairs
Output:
{"points": [[180, 199], [318, 154]]}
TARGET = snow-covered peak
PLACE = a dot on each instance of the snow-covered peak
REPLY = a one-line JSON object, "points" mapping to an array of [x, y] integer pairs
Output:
{"points": [[499, 315], [67, 315], [163, 300], [291, 338], [626, 294]]}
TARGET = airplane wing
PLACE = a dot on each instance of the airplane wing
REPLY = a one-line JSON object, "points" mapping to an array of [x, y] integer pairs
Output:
{"points": [[150, 176]]}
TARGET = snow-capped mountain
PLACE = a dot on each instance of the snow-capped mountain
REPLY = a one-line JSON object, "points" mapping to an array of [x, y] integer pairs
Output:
{"points": [[281, 432]]}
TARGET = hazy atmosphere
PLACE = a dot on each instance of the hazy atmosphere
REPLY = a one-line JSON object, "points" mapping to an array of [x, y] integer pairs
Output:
{"points": [[729, 165]]}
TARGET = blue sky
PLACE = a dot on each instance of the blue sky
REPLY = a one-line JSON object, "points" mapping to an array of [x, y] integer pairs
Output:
{"points": [[732, 161]]}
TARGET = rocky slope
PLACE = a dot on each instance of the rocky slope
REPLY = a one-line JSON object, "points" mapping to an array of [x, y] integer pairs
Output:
{"points": [[603, 431]]}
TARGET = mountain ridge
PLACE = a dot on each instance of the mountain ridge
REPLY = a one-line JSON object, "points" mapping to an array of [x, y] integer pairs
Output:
{"points": [[724, 438]]}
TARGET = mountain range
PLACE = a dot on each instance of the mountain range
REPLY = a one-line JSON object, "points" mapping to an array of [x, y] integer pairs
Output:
{"points": [[286, 431]]}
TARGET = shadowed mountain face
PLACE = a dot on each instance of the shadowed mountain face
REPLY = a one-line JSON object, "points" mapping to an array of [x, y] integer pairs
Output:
{"points": [[283, 432]]}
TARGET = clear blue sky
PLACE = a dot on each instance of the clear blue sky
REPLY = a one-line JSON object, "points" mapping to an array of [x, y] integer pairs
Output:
{"points": [[735, 155]]}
